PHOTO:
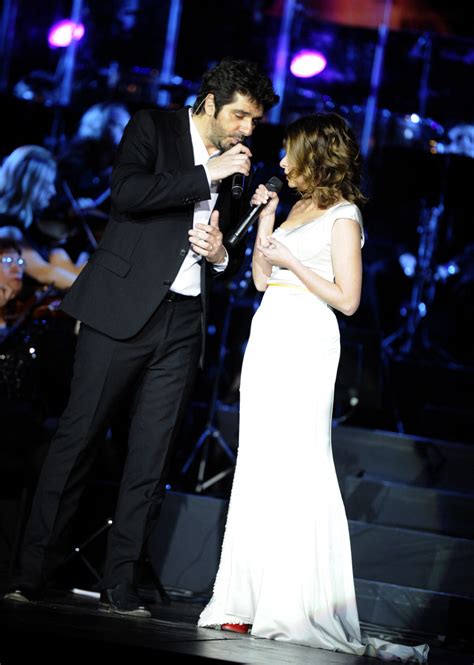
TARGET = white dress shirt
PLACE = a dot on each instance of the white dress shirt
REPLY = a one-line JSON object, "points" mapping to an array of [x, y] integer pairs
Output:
{"points": [[188, 279]]}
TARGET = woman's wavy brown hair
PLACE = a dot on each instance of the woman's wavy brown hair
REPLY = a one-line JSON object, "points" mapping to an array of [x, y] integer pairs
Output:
{"points": [[326, 158]]}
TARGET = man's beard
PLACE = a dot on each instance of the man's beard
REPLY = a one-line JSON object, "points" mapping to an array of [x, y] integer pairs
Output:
{"points": [[218, 140], [224, 148]]}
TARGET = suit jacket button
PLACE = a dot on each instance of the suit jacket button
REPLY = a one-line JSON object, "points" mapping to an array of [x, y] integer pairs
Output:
{"points": [[167, 283], [183, 252]]}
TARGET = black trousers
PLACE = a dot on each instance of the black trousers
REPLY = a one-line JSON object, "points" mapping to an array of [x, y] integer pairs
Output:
{"points": [[155, 370]]}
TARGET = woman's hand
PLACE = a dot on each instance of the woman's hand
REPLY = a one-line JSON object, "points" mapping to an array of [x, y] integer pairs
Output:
{"points": [[265, 196], [276, 253]]}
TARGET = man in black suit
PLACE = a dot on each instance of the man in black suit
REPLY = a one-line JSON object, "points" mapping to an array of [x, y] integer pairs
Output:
{"points": [[141, 301]]}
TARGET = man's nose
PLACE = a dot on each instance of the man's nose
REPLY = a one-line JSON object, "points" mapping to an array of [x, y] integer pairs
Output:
{"points": [[246, 126]]}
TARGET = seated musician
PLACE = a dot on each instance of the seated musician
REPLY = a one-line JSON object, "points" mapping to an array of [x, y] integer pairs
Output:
{"points": [[27, 183], [11, 281]]}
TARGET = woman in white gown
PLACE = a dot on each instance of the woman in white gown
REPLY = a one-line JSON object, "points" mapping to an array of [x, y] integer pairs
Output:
{"points": [[286, 570]]}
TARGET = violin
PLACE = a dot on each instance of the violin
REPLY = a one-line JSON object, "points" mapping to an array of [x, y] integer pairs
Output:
{"points": [[43, 305]]}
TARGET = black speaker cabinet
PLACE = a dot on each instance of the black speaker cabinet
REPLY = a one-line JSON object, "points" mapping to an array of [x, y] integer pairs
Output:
{"points": [[185, 546]]}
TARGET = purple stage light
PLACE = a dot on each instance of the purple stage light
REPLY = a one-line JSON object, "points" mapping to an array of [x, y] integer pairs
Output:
{"points": [[307, 63], [62, 33]]}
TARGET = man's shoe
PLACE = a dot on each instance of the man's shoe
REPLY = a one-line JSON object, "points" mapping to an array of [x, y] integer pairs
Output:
{"points": [[23, 595], [237, 627], [123, 599]]}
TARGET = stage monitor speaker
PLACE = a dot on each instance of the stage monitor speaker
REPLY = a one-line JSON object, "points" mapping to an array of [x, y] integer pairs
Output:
{"points": [[185, 546]]}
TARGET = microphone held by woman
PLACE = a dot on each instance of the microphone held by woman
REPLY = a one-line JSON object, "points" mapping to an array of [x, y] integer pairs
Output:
{"points": [[274, 185]]}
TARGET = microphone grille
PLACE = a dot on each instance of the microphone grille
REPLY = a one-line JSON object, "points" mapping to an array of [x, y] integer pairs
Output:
{"points": [[274, 184]]}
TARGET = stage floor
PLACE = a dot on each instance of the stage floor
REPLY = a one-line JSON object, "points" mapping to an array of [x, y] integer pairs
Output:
{"points": [[69, 628]]}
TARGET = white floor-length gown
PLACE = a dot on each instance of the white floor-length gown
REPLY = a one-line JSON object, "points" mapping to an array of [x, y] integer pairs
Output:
{"points": [[286, 565]]}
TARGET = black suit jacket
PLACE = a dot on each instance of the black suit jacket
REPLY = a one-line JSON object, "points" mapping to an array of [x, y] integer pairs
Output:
{"points": [[154, 187]]}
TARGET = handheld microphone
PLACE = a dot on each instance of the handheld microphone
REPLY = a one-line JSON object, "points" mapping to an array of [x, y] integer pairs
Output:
{"points": [[238, 181], [274, 185]]}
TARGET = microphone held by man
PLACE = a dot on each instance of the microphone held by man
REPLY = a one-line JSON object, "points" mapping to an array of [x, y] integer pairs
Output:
{"points": [[238, 184], [232, 161]]}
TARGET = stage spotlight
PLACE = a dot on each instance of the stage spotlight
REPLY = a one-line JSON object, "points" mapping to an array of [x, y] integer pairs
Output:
{"points": [[408, 263], [307, 63], [63, 32]]}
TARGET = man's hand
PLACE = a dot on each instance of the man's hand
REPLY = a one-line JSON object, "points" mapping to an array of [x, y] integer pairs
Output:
{"points": [[206, 240], [235, 160]]}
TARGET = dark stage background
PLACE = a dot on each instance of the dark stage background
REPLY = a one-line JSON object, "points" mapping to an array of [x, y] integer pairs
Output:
{"points": [[407, 361], [407, 354]]}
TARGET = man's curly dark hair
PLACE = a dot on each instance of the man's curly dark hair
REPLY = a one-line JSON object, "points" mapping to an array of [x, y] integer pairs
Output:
{"points": [[231, 76]]}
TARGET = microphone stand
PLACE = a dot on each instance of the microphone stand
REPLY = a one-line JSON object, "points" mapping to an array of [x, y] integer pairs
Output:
{"points": [[211, 431], [410, 340], [422, 293]]}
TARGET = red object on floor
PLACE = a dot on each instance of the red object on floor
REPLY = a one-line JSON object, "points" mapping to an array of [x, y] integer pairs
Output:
{"points": [[237, 627]]}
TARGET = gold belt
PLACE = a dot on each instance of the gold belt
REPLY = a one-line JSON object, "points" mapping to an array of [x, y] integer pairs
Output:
{"points": [[289, 286]]}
